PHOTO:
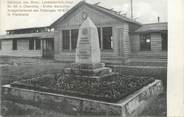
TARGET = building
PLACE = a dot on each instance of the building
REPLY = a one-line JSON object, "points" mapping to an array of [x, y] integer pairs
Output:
{"points": [[120, 38], [28, 42], [149, 42]]}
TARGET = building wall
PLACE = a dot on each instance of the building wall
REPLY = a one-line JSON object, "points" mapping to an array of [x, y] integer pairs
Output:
{"points": [[75, 18], [135, 43], [156, 42], [156, 46], [22, 49], [120, 32], [6, 45], [22, 53], [22, 44]]}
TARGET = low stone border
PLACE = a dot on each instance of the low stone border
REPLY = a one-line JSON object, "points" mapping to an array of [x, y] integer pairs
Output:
{"points": [[130, 106]]}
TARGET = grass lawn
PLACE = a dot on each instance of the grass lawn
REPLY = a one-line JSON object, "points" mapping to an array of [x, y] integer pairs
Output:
{"points": [[12, 109], [157, 108], [13, 73]]}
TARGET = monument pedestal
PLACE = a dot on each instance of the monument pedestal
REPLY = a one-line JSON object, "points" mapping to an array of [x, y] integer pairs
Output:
{"points": [[89, 71]]}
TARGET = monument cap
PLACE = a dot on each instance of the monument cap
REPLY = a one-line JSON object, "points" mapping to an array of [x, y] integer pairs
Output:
{"points": [[88, 23]]}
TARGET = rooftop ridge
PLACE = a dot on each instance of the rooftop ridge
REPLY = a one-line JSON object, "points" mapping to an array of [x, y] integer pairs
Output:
{"points": [[155, 23], [28, 28], [101, 9], [111, 10], [114, 12]]}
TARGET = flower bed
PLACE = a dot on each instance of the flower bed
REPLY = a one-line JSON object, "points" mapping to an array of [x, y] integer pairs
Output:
{"points": [[111, 89]]}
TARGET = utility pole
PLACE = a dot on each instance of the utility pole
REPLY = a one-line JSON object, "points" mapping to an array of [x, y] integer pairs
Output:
{"points": [[158, 19], [131, 9]]}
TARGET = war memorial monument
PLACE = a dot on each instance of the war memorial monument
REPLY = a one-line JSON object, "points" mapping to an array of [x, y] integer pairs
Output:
{"points": [[87, 86]]}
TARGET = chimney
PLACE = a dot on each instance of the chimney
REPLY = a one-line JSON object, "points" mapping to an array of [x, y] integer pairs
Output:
{"points": [[158, 19]]}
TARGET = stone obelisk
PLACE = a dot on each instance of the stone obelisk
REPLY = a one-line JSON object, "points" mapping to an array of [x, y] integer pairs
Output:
{"points": [[88, 50], [87, 59]]}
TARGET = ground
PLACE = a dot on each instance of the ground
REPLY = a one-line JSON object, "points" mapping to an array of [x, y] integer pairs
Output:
{"points": [[21, 71], [157, 108]]}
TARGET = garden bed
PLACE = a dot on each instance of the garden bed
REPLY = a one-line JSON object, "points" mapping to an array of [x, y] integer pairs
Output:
{"points": [[110, 90]]}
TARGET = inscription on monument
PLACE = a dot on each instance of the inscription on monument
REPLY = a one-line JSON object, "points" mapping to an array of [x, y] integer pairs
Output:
{"points": [[84, 45], [88, 50], [84, 54], [84, 41]]}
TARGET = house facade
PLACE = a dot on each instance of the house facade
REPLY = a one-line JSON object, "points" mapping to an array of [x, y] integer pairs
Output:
{"points": [[150, 41], [120, 38], [28, 42]]}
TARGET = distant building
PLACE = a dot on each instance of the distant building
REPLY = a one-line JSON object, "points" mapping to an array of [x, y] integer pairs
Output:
{"points": [[150, 42], [120, 38], [28, 42]]}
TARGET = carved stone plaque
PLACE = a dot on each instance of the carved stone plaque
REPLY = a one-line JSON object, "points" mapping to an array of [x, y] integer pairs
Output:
{"points": [[88, 51]]}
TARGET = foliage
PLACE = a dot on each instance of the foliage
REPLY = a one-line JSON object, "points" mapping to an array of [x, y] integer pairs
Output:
{"points": [[111, 89]]}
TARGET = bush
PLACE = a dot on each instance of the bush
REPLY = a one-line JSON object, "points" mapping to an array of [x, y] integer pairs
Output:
{"points": [[148, 71], [110, 89]]}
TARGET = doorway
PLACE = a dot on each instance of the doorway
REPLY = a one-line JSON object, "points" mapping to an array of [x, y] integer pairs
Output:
{"points": [[48, 48]]}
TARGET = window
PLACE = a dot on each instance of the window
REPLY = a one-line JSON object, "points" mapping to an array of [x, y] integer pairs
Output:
{"points": [[14, 44], [107, 35], [74, 37], [38, 44], [69, 38], [99, 36], [145, 42], [52, 29], [164, 41], [66, 39], [31, 44]]}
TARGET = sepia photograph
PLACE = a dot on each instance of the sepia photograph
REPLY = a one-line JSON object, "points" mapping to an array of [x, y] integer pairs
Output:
{"points": [[67, 58]]}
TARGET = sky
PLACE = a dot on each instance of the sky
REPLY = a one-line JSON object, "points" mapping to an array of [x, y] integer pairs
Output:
{"points": [[144, 11]]}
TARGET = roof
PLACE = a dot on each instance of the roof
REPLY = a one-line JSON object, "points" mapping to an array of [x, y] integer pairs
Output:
{"points": [[153, 27], [94, 6], [28, 35], [99, 8], [28, 28]]}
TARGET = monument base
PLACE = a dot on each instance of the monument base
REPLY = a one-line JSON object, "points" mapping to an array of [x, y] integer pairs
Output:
{"points": [[94, 71], [87, 88], [110, 87], [129, 106]]}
